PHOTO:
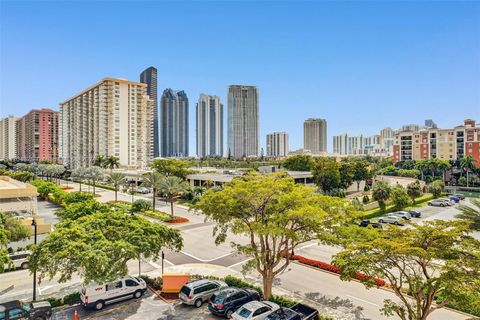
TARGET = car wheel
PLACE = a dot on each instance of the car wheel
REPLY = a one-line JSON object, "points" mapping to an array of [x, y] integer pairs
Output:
{"points": [[198, 303], [40, 318], [229, 313], [429, 204], [380, 220], [442, 205], [99, 305], [137, 294], [24, 265]]}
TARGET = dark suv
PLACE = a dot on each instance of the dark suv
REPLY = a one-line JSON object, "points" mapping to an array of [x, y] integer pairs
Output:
{"points": [[17, 310], [225, 302]]}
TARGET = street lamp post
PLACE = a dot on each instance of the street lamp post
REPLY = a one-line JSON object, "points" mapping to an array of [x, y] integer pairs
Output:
{"points": [[34, 224]]}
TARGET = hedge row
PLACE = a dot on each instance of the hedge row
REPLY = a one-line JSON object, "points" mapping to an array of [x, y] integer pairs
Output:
{"points": [[70, 299], [328, 267]]}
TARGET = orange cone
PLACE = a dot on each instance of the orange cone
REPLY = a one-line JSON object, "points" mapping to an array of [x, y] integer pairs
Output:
{"points": [[75, 316]]}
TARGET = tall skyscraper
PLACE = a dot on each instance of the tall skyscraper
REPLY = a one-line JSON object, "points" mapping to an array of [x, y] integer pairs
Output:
{"points": [[174, 124], [209, 126], [315, 135], [340, 144], [243, 120], [8, 138], [277, 144], [149, 76], [111, 118], [37, 136]]}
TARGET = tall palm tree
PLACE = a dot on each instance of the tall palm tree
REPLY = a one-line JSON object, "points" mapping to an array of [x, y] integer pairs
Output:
{"points": [[116, 179], [422, 166], [111, 163], [444, 165], [99, 161], [466, 162], [470, 214], [153, 180], [172, 187]]}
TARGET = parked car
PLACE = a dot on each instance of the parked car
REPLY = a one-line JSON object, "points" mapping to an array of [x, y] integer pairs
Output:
{"points": [[366, 223], [97, 296], [297, 312], [226, 301], [415, 213], [40, 310], [19, 260], [402, 214], [197, 292], [458, 195], [437, 203], [391, 219], [142, 190], [255, 310], [454, 199]]}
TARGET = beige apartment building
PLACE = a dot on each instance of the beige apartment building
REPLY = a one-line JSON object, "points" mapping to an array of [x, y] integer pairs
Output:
{"points": [[445, 144], [8, 139], [315, 135], [112, 118]]}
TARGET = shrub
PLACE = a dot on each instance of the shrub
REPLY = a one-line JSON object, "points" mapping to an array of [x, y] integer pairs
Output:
{"points": [[399, 197], [366, 188], [239, 283], [282, 301], [365, 199], [157, 215], [72, 298], [55, 302], [76, 196], [141, 205], [436, 188], [154, 283]]}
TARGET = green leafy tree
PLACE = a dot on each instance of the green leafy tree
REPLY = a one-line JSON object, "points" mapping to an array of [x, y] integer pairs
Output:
{"points": [[76, 196], [381, 192], [399, 197], [471, 214], [153, 180], [346, 170], [444, 166], [436, 188], [44, 188], [171, 167], [326, 173], [414, 190], [408, 260], [466, 163], [360, 172], [116, 179], [111, 162], [172, 187], [99, 161], [276, 215], [77, 210], [10, 230], [141, 205], [79, 174], [422, 166], [98, 246], [298, 163], [94, 174]]}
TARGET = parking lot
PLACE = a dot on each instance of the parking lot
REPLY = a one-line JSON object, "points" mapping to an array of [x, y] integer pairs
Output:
{"points": [[150, 307]]}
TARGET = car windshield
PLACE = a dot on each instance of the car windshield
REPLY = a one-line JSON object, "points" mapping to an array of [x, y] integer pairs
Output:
{"points": [[244, 313], [219, 297]]}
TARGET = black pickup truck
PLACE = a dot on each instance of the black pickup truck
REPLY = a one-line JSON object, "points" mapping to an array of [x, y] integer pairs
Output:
{"points": [[41, 310], [297, 312]]}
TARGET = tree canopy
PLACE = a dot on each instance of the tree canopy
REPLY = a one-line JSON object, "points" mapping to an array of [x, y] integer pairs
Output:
{"points": [[10, 230], [471, 214], [171, 167], [276, 215], [326, 173], [427, 266], [298, 163], [98, 246]]}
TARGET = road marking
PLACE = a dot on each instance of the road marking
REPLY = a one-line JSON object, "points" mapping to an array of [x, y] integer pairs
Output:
{"points": [[363, 300], [40, 290], [239, 263], [203, 260]]}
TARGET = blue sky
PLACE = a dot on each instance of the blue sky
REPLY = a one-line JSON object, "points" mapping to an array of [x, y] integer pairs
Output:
{"points": [[360, 65]]}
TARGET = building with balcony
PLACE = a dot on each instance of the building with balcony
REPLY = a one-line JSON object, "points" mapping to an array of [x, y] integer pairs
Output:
{"points": [[315, 135], [209, 126], [111, 118], [8, 138], [149, 77], [277, 144], [37, 136]]}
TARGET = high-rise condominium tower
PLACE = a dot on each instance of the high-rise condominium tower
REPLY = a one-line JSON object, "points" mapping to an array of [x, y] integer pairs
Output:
{"points": [[315, 135], [149, 76], [37, 136], [174, 124], [111, 118], [242, 121], [209, 126], [277, 144], [8, 138]]}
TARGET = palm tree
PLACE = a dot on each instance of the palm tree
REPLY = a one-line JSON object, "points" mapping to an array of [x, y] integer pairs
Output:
{"points": [[111, 162], [433, 166], [154, 181], [444, 165], [470, 214], [172, 187], [466, 162], [99, 161], [116, 179], [422, 165]]}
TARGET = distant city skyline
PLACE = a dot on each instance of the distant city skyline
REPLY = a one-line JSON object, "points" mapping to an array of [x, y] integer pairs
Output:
{"points": [[360, 65]]}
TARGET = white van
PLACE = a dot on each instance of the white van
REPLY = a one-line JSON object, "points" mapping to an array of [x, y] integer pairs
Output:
{"points": [[97, 296]]}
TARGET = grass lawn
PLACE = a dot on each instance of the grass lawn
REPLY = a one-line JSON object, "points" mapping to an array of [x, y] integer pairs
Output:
{"points": [[419, 202]]}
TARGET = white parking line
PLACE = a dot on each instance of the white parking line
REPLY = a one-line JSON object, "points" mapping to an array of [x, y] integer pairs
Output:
{"points": [[239, 263], [363, 300], [203, 260]]}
